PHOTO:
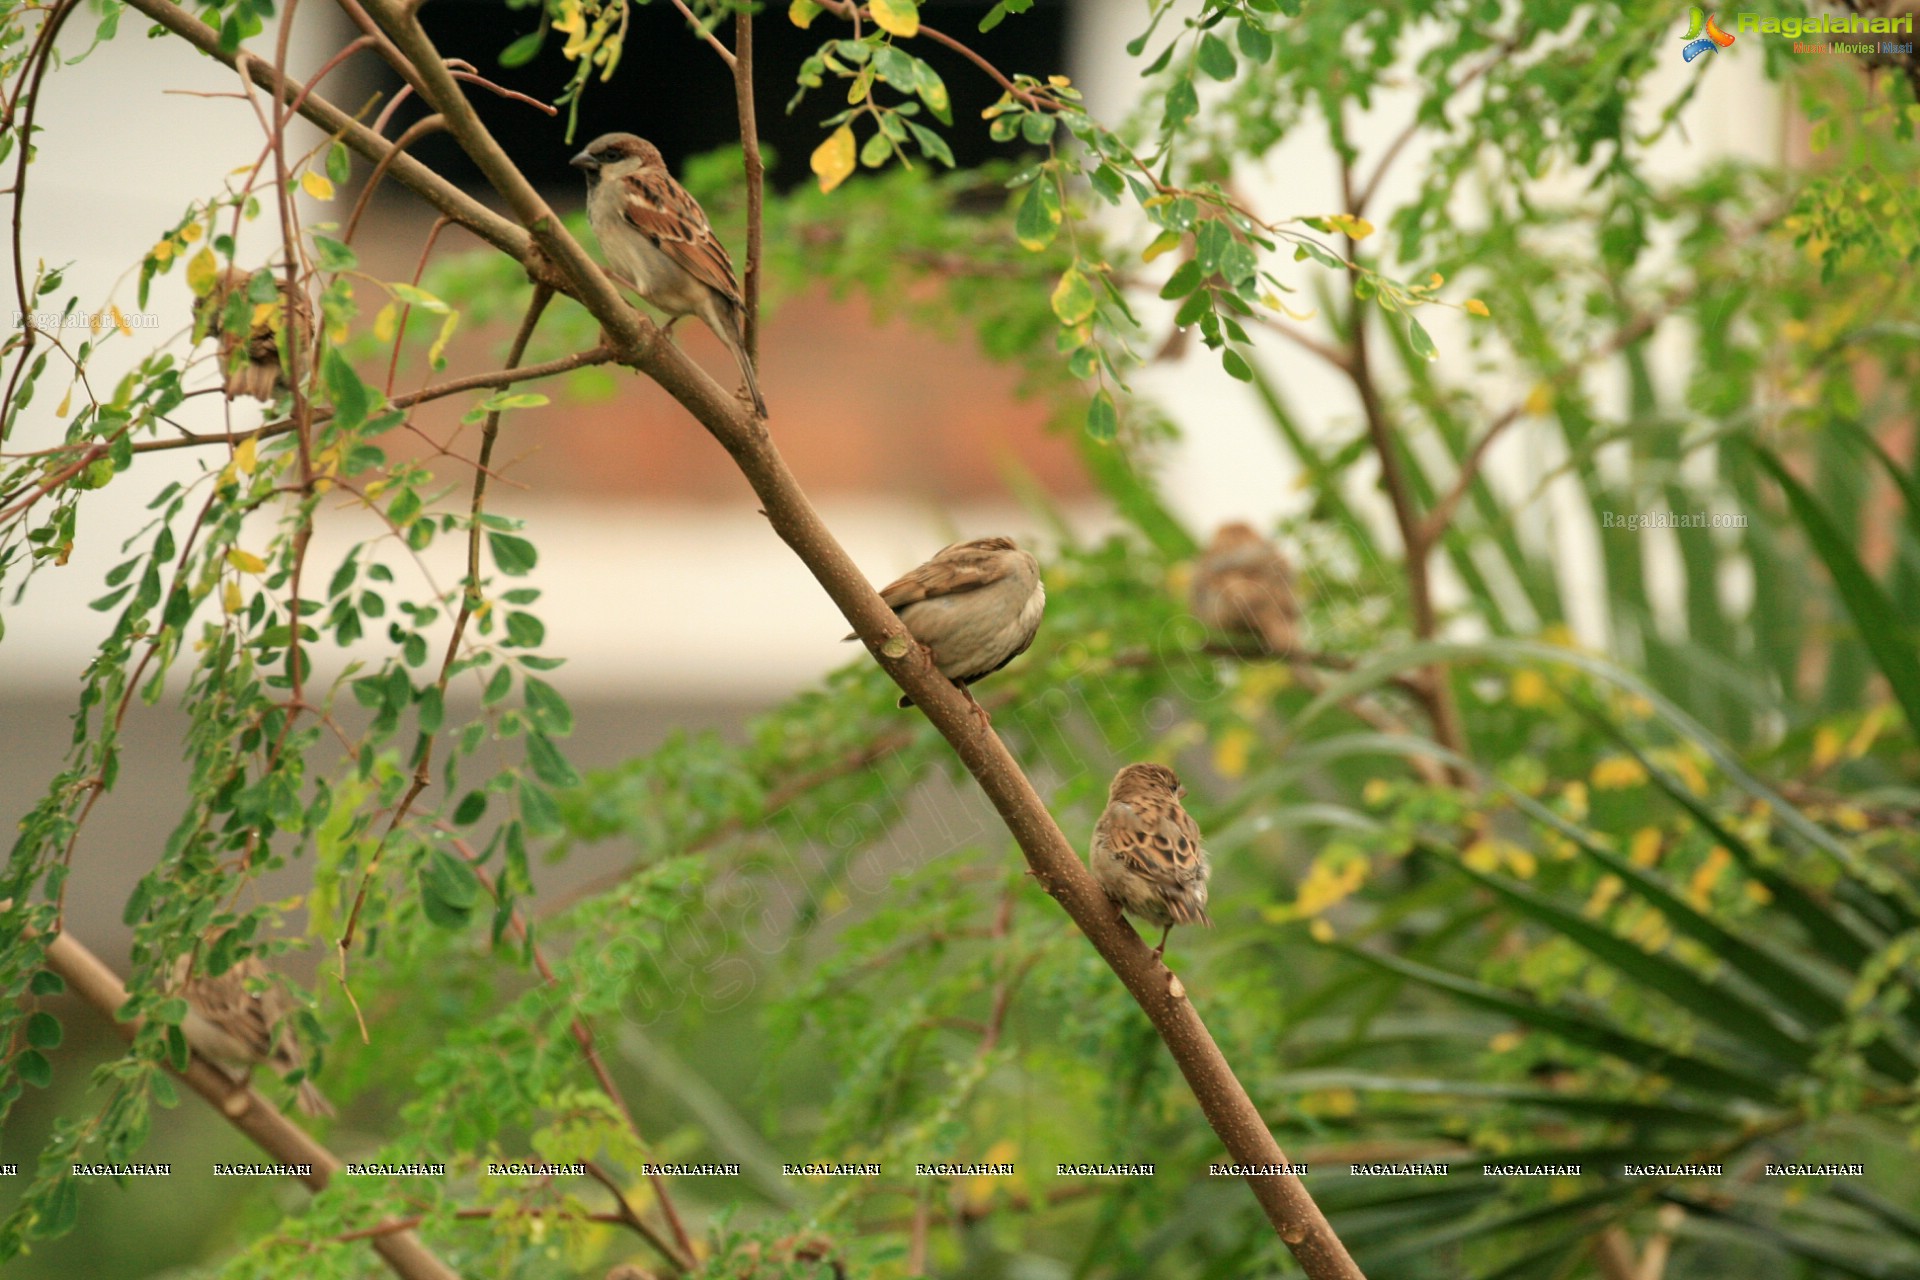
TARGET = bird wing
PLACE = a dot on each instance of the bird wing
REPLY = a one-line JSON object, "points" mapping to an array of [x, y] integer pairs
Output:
{"points": [[944, 575], [1162, 845], [661, 210]]}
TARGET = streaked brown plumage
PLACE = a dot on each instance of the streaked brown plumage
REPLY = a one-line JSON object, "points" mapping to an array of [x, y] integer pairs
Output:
{"points": [[657, 237], [1242, 585], [258, 371], [242, 1018], [1146, 851], [976, 606]]}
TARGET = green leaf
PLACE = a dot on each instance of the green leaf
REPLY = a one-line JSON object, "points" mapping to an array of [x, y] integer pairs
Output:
{"points": [[34, 1068], [1183, 103], [1641, 1054], [525, 630], [352, 400], [513, 556], [1184, 280], [43, 1030], [1073, 298], [548, 764], [1103, 421], [1874, 617], [525, 49], [1215, 58], [1254, 40], [1760, 1028], [339, 163], [47, 983], [1039, 218], [1421, 341], [546, 708], [472, 807], [932, 145], [1236, 365]]}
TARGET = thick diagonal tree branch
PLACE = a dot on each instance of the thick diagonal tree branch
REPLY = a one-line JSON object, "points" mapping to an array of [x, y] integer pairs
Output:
{"points": [[1055, 864], [90, 978]]}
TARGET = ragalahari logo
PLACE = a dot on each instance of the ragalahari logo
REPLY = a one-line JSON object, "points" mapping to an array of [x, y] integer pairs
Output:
{"points": [[1699, 20]]}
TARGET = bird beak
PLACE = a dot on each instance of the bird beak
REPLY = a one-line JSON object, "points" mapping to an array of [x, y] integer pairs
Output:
{"points": [[585, 161]]}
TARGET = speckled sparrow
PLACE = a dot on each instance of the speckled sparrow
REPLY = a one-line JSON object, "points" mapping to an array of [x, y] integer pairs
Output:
{"points": [[657, 237], [975, 606], [243, 1018], [258, 373], [1242, 585], [1146, 851]]}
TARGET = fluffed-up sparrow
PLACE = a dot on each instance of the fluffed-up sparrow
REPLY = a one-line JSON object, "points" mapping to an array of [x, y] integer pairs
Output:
{"points": [[1243, 586], [1146, 851], [250, 353], [975, 606], [243, 1018], [657, 237]]}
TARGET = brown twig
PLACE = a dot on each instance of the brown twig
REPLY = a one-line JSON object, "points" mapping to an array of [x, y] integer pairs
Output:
{"points": [[754, 168]]}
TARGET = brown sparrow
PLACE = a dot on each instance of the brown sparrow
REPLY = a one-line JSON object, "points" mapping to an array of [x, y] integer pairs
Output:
{"points": [[658, 240], [1146, 851], [975, 606], [243, 1018], [257, 373], [1243, 585]]}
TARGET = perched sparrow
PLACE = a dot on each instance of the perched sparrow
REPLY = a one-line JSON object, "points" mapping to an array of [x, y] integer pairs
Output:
{"points": [[258, 372], [1146, 851], [1243, 585], [976, 606], [241, 1019], [657, 237]]}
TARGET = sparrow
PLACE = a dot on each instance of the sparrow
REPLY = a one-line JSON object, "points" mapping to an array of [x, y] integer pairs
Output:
{"points": [[250, 360], [975, 606], [1243, 585], [1146, 851], [660, 244], [242, 1018]]}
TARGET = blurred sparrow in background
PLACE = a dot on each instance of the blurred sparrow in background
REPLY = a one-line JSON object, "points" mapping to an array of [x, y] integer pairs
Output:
{"points": [[243, 1018], [250, 349], [1243, 586], [1146, 851], [657, 239], [975, 606]]}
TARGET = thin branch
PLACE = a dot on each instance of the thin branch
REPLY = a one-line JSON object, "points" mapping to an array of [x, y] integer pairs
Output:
{"points": [[699, 29], [89, 978], [469, 599], [755, 170]]}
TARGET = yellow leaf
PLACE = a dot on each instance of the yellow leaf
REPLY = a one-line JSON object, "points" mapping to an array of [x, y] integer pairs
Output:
{"points": [[1231, 752], [1059, 82], [896, 17], [1321, 931], [245, 561], [93, 323], [317, 185], [201, 270], [1644, 851], [1617, 773], [1435, 280], [833, 159], [120, 322], [1162, 243], [190, 232], [802, 13], [244, 454], [1540, 400], [1356, 228], [65, 404], [1507, 1041], [386, 323], [1475, 307], [1575, 794], [1377, 791], [1482, 856], [1530, 689], [1827, 745], [162, 251], [230, 596]]}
